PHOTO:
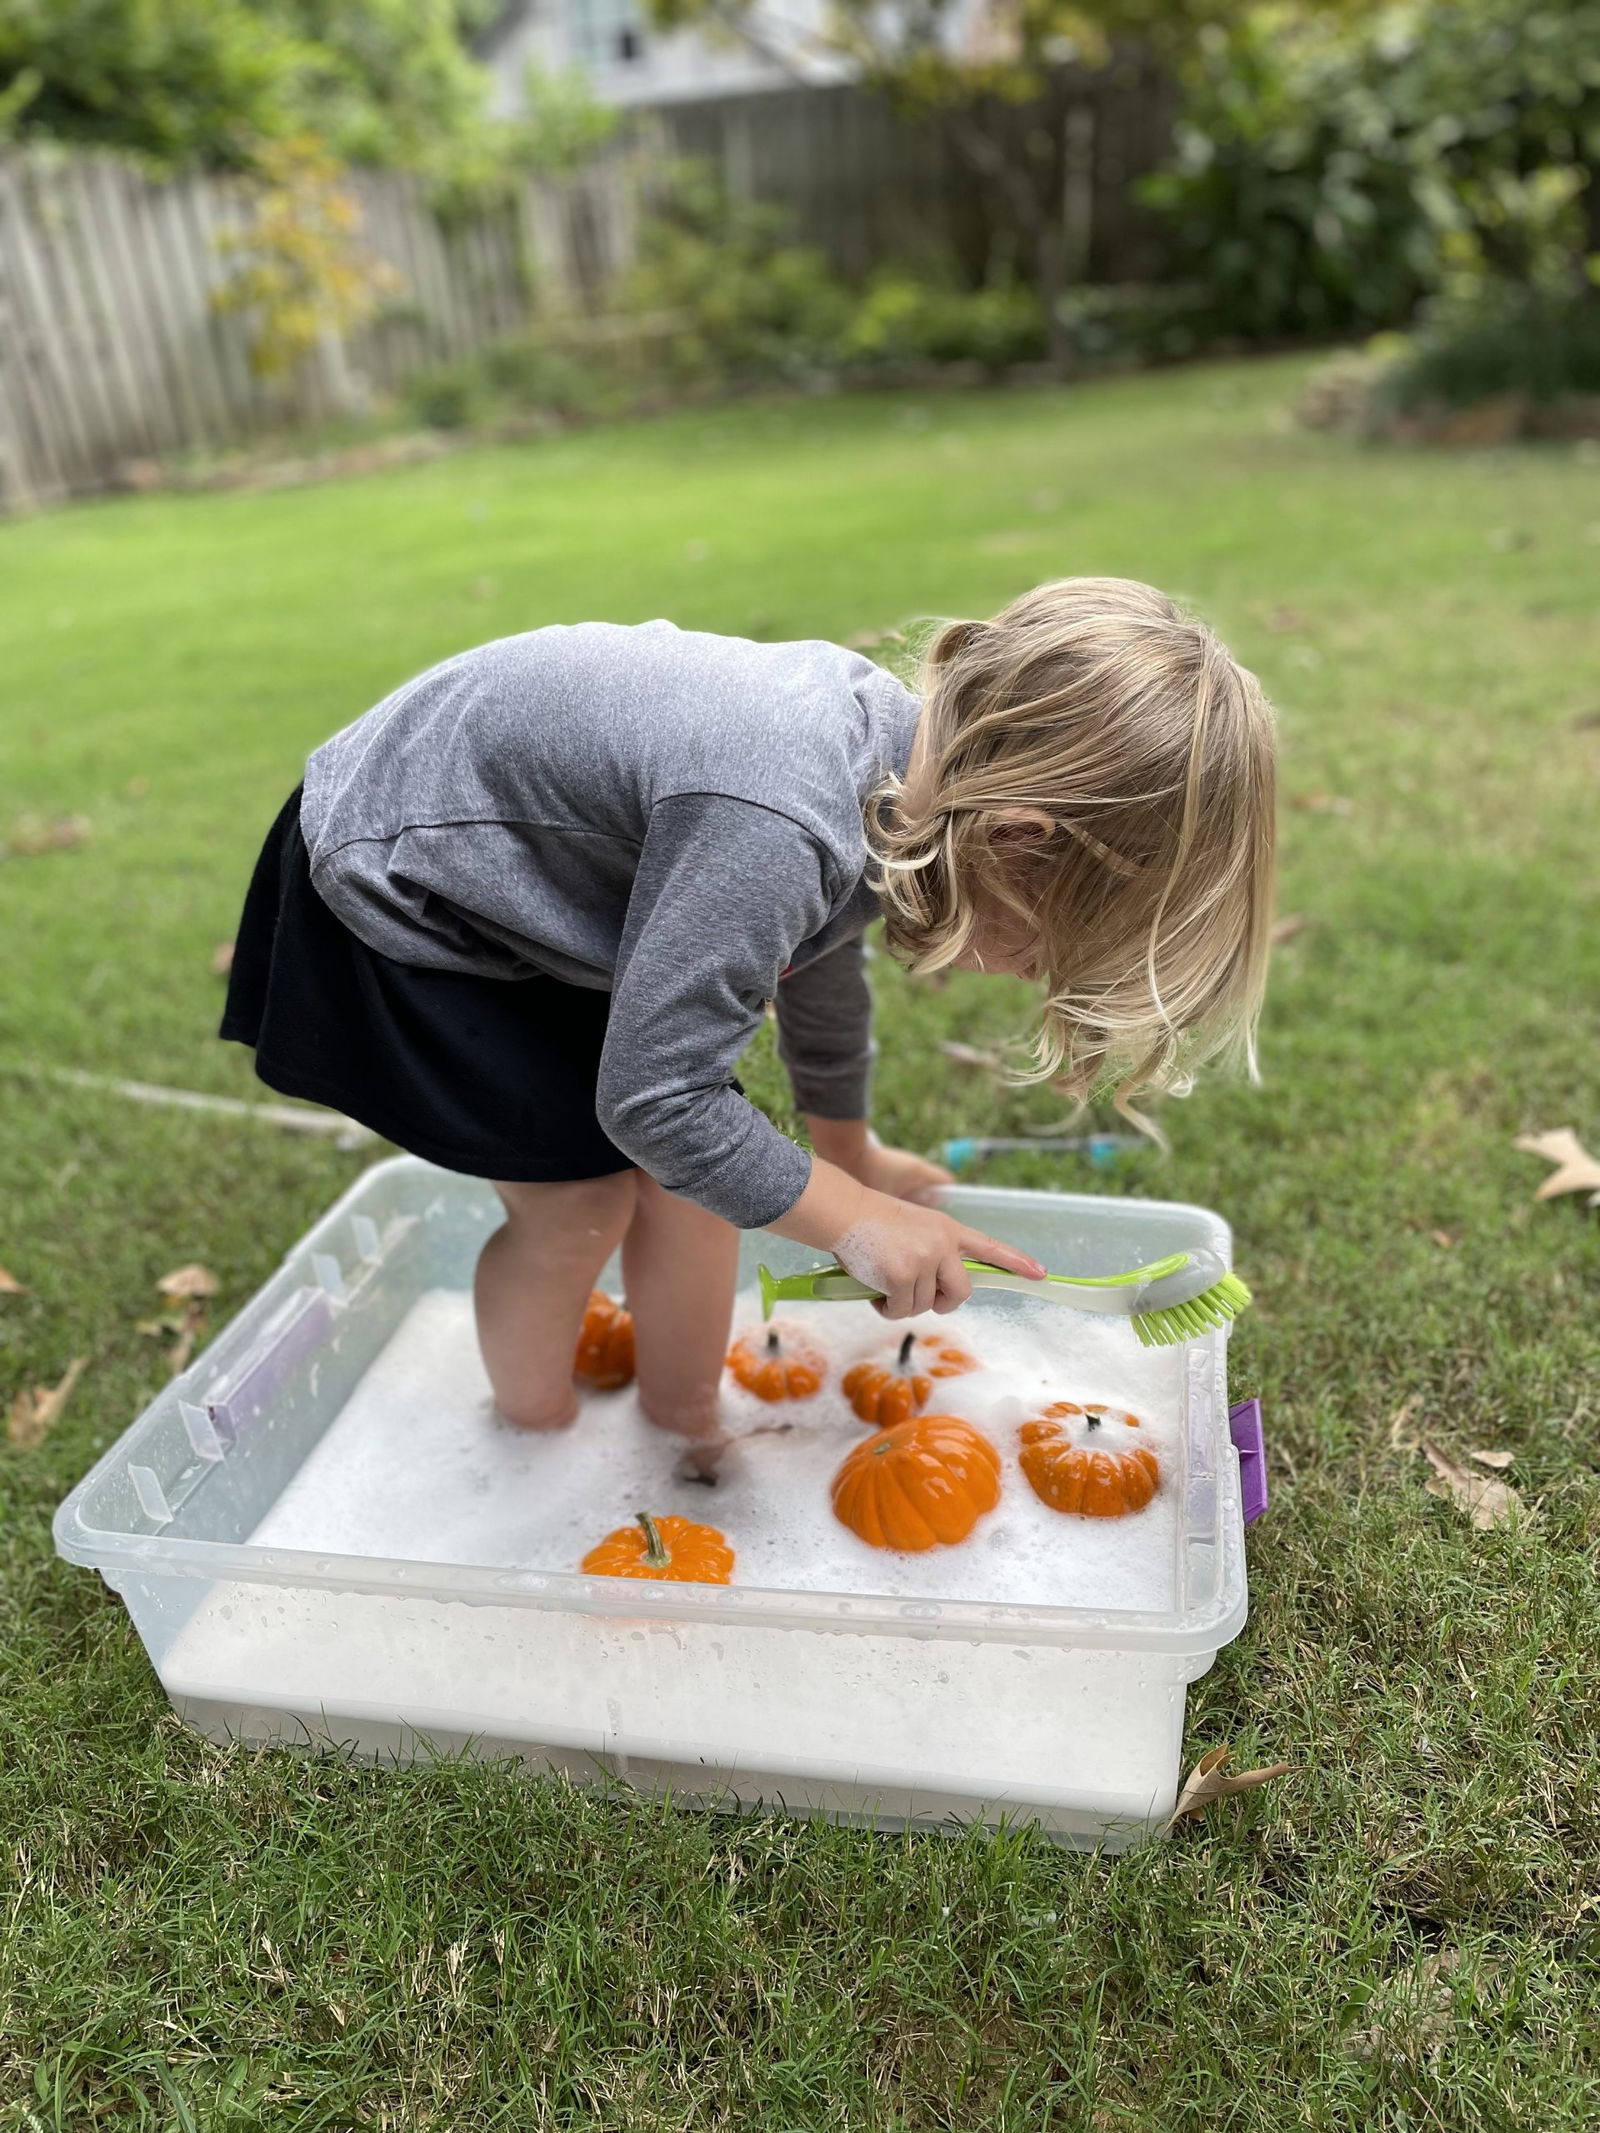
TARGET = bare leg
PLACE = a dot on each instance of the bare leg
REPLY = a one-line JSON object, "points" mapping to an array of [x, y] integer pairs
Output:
{"points": [[679, 1264], [533, 1280]]}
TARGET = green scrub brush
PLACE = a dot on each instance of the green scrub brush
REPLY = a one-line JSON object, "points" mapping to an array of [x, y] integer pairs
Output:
{"points": [[1173, 1299]]}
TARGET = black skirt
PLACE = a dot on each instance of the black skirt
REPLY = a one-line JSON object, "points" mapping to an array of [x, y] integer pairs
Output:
{"points": [[491, 1076]]}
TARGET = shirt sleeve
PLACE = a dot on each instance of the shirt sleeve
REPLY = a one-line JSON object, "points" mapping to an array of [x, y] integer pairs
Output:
{"points": [[825, 1032], [725, 892]]}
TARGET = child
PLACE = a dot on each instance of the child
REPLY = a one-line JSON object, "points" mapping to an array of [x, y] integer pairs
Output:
{"points": [[524, 915]]}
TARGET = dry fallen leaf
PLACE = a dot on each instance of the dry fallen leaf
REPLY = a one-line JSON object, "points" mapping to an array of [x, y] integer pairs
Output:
{"points": [[37, 1408], [969, 1055], [1285, 928], [1207, 1782], [1400, 1436], [1442, 1238], [189, 1325], [1322, 803], [1498, 1460], [188, 1281], [1411, 2013], [1576, 1169], [1487, 1502], [222, 959], [864, 640], [9, 1284], [32, 835], [991, 1063]]}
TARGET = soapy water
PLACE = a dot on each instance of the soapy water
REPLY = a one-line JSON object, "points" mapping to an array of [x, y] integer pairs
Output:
{"points": [[417, 1467]]}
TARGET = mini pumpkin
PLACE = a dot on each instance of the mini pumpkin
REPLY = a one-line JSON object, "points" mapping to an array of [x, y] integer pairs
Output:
{"points": [[1083, 1459], [777, 1364], [885, 1393], [672, 1548], [924, 1483], [604, 1359]]}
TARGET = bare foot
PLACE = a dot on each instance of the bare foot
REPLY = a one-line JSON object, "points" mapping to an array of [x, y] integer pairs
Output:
{"points": [[703, 1459], [542, 1418]]}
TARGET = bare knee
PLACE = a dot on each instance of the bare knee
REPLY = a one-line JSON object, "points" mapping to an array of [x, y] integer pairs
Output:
{"points": [[595, 1205]]}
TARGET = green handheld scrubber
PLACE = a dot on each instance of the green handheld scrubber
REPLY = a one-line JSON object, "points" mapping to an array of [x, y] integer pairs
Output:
{"points": [[1173, 1299]]}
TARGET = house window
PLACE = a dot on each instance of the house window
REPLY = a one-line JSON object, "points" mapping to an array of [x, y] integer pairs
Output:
{"points": [[607, 32]]}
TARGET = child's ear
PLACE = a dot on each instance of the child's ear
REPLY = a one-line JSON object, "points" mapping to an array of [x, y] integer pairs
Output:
{"points": [[1020, 831]]}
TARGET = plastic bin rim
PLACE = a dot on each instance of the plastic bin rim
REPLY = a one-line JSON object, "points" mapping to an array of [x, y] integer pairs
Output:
{"points": [[960, 1191]]}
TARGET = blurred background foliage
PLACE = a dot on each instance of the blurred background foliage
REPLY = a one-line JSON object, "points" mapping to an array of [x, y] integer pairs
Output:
{"points": [[1338, 171]]}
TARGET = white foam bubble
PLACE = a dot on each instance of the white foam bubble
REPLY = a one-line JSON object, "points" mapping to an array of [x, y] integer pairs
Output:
{"points": [[416, 1467]]}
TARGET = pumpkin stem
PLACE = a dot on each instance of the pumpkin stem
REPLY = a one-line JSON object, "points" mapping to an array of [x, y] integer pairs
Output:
{"points": [[1091, 1420], [656, 1553], [772, 1342], [903, 1360]]}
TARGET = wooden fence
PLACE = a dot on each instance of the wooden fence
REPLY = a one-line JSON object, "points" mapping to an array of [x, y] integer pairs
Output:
{"points": [[113, 352], [871, 187]]}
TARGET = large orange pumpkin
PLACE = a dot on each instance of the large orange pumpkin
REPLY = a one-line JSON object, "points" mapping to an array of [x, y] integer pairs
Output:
{"points": [[605, 1346], [922, 1484], [671, 1548], [885, 1393], [777, 1363], [1084, 1459]]}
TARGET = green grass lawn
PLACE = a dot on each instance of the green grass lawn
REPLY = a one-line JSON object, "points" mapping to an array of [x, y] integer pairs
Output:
{"points": [[1405, 1933]]}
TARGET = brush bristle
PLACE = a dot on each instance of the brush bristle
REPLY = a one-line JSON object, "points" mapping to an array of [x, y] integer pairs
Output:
{"points": [[1213, 1307]]}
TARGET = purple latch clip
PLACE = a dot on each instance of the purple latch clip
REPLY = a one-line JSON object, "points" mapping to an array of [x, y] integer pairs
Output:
{"points": [[1250, 1442]]}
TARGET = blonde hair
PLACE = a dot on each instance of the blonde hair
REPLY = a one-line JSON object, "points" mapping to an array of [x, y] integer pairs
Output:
{"points": [[1100, 704]]}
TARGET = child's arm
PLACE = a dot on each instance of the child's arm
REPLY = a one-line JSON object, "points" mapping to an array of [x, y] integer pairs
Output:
{"points": [[825, 1041]]}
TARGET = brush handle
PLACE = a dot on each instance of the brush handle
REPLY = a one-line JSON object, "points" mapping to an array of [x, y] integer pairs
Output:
{"points": [[1106, 1295]]}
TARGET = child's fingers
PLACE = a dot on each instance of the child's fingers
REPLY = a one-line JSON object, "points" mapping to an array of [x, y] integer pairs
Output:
{"points": [[955, 1285], [976, 1244]]}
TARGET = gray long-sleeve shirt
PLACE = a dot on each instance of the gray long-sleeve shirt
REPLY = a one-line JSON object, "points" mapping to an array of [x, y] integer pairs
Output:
{"points": [[670, 816]]}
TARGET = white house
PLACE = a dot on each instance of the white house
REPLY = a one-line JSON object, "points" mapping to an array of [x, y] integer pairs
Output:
{"points": [[631, 63]]}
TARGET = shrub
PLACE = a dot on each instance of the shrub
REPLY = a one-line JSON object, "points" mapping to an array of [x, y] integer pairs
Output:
{"points": [[1502, 364], [532, 377], [1334, 171], [449, 398], [1124, 324], [901, 321], [1539, 345], [752, 303]]}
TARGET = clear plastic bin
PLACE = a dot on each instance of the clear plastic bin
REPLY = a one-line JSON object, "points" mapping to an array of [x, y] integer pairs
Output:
{"points": [[852, 1705]]}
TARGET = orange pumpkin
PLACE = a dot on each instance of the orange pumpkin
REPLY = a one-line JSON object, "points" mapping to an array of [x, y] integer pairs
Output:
{"points": [[672, 1548], [777, 1364], [1082, 1459], [885, 1393], [924, 1483], [605, 1346]]}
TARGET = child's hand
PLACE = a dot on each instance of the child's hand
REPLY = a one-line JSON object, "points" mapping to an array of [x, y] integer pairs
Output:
{"points": [[899, 1173], [912, 1254], [851, 1145]]}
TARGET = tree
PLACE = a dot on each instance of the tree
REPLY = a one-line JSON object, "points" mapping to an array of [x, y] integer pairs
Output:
{"points": [[205, 81], [968, 69], [1329, 176]]}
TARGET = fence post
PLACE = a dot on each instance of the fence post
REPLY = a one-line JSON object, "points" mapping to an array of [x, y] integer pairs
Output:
{"points": [[1077, 191], [16, 491]]}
